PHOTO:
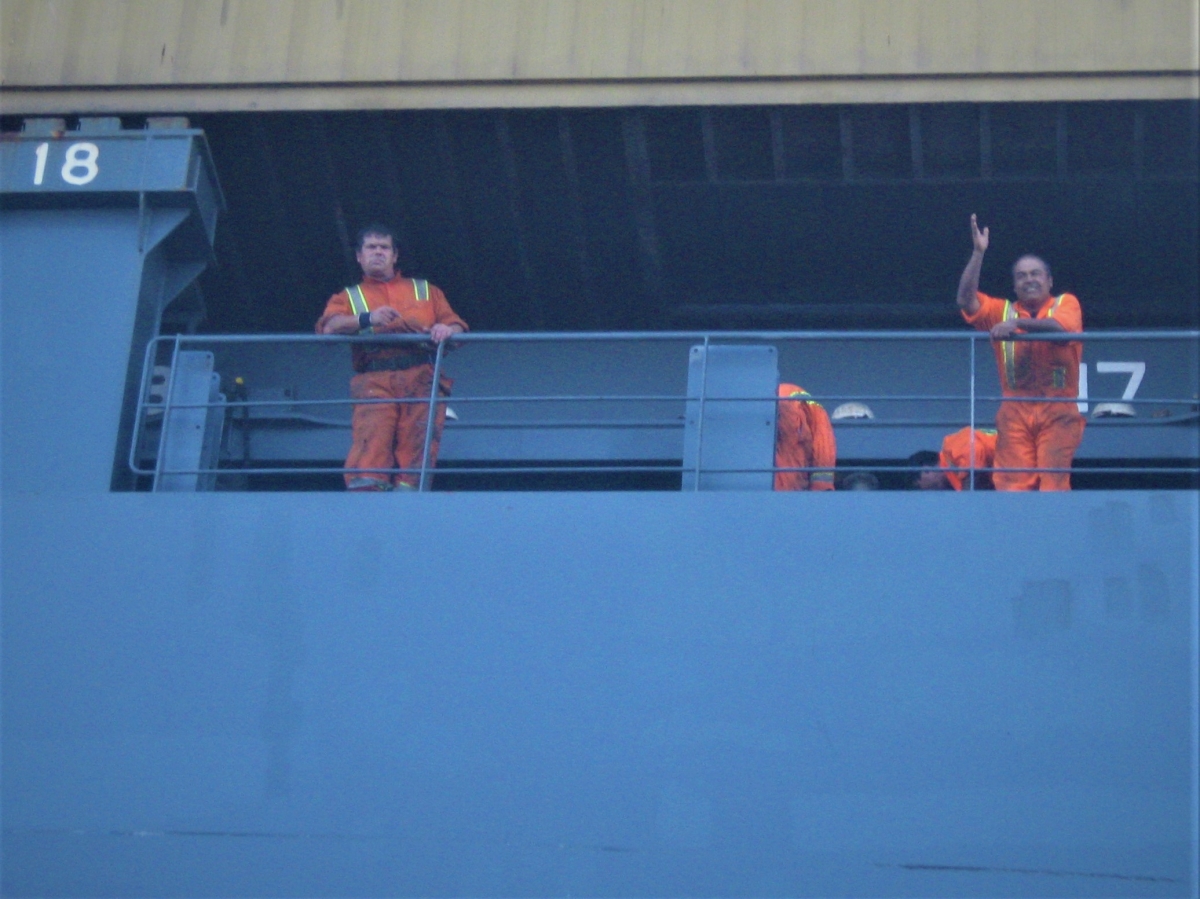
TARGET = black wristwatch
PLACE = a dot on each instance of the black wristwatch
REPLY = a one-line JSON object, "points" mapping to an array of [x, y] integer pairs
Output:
{"points": [[364, 321]]}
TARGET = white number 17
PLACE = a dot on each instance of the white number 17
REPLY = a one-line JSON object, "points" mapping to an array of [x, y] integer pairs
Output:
{"points": [[1135, 370]]}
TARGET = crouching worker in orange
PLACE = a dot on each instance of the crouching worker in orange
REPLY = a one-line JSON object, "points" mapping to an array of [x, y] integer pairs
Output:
{"points": [[937, 469], [803, 439], [1032, 435], [390, 435]]}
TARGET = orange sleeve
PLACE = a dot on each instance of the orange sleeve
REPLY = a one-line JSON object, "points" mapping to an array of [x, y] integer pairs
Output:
{"points": [[792, 433], [956, 453], [442, 313], [1069, 314], [824, 447], [339, 304], [989, 313], [955, 449], [954, 446]]}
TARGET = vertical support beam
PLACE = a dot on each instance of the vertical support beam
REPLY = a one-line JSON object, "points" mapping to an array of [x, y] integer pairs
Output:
{"points": [[914, 140], [227, 243], [710, 146], [846, 129], [445, 149], [275, 199], [1194, 131], [321, 140], [1139, 172], [1139, 142], [231, 251], [985, 141], [1060, 140], [778, 152], [575, 201], [537, 303], [397, 206], [637, 163]]}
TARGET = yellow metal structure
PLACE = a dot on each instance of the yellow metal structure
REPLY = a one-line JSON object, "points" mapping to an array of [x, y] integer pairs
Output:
{"points": [[197, 55]]}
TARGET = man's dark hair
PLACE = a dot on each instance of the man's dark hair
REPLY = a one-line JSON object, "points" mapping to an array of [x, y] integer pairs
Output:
{"points": [[924, 459], [921, 459], [378, 230], [1045, 264]]}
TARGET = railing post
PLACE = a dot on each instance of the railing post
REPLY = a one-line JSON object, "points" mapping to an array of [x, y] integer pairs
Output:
{"points": [[166, 412], [700, 414], [972, 341], [423, 484], [139, 416]]}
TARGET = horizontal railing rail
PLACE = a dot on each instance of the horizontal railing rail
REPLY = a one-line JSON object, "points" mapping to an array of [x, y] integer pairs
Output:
{"points": [[176, 343]]}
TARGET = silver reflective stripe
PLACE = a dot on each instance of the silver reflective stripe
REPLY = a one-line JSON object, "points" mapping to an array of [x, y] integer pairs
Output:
{"points": [[421, 289]]}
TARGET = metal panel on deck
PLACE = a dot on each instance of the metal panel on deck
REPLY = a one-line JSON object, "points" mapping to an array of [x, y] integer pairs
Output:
{"points": [[729, 436], [193, 421]]}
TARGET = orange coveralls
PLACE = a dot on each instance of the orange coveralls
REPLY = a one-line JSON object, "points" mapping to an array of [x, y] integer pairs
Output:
{"points": [[1035, 435], [392, 435], [803, 439], [956, 453]]}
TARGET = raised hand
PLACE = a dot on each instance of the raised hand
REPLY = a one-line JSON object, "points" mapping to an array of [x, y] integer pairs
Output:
{"points": [[978, 238]]}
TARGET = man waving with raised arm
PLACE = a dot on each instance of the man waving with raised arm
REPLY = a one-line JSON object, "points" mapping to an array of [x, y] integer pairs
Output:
{"points": [[1032, 435]]}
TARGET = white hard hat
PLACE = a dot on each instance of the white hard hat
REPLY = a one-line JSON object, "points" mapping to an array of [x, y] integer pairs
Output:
{"points": [[1113, 410], [853, 410], [451, 414]]}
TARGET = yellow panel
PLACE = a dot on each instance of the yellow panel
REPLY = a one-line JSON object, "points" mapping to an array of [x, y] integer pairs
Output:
{"points": [[91, 36], [206, 55], [260, 34], [36, 43], [180, 42], [150, 40]]}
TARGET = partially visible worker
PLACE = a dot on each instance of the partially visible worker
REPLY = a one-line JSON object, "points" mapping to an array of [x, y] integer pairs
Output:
{"points": [[389, 436], [860, 480], [803, 439], [937, 470], [1032, 434]]}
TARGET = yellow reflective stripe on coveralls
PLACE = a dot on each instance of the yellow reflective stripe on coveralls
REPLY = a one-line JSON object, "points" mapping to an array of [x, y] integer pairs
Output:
{"points": [[1008, 348], [1010, 360], [1058, 373], [796, 393], [358, 302]]}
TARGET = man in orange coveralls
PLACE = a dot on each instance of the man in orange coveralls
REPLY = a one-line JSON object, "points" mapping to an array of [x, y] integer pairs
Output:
{"points": [[803, 439], [1031, 434], [390, 435], [956, 453]]}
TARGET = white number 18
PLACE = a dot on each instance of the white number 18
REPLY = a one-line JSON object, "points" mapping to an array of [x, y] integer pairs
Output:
{"points": [[79, 168]]}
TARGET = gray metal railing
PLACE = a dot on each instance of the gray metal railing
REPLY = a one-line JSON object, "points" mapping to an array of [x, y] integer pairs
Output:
{"points": [[707, 339]]}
